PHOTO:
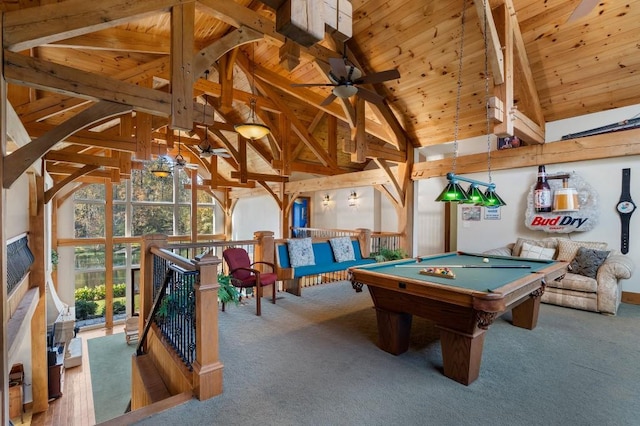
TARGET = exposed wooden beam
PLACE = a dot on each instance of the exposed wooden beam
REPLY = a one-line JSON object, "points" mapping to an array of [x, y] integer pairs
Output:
{"points": [[51, 192], [358, 134], [529, 85], [33, 72], [394, 181], [224, 183], [349, 180], [625, 143], [206, 57], [182, 27], [236, 15], [33, 26], [16, 163], [87, 138], [494, 49], [260, 177], [84, 159]]}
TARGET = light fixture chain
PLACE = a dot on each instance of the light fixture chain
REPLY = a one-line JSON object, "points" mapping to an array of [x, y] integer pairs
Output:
{"points": [[486, 86], [459, 89]]}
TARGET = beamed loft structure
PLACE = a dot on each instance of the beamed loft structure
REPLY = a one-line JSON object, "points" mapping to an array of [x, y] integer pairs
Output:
{"points": [[356, 94]]}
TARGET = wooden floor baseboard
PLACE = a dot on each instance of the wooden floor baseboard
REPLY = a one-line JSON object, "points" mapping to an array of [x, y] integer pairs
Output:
{"points": [[632, 298]]}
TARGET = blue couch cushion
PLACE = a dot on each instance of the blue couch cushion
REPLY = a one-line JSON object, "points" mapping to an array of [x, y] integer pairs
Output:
{"points": [[325, 261], [302, 271]]}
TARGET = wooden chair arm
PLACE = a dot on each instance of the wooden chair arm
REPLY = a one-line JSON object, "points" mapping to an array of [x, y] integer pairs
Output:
{"points": [[273, 267]]}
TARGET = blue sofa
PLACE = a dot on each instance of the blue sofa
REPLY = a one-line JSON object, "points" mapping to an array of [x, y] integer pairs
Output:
{"points": [[325, 262]]}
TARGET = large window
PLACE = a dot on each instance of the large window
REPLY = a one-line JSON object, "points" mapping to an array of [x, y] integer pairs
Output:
{"points": [[142, 205]]}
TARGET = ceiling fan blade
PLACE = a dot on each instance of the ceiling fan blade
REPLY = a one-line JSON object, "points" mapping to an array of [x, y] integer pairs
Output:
{"points": [[312, 84], [583, 9], [339, 68], [379, 77], [328, 100], [370, 96]]}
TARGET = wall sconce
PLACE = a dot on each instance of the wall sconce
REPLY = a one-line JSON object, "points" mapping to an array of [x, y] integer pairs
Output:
{"points": [[353, 198], [325, 200]]}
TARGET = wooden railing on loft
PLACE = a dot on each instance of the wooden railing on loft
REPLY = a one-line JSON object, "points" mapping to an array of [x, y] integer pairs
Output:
{"points": [[178, 349], [378, 240]]}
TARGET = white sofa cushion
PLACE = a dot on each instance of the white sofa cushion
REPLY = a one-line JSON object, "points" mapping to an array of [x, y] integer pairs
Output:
{"points": [[550, 242], [536, 252]]}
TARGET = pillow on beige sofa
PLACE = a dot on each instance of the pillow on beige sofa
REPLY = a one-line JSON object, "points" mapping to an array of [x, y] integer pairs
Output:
{"points": [[587, 262], [567, 249], [545, 242], [536, 252]]}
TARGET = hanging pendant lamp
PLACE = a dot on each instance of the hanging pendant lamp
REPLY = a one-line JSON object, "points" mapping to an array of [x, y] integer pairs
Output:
{"points": [[251, 129]]}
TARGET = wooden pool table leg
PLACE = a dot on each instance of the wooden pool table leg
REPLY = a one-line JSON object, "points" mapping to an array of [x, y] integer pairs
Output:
{"points": [[525, 315], [461, 354], [393, 331]]}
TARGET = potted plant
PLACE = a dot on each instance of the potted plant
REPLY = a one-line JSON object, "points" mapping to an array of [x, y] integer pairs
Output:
{"points": [[227, 291], [386, 254]]}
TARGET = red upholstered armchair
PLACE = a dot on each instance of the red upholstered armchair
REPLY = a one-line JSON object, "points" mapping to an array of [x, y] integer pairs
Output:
{"points": [[244, 275]]}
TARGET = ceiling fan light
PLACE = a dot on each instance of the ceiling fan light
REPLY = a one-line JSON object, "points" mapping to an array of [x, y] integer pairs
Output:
{"points": [[345, 91], [355, 74], [252, 130]]}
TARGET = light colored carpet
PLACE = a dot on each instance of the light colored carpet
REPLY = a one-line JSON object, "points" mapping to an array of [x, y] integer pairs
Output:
{"points": [[313, 360], [110, 366]]}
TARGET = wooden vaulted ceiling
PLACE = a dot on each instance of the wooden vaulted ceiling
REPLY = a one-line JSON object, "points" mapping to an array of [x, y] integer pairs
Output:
{"points": [[91, 87]]}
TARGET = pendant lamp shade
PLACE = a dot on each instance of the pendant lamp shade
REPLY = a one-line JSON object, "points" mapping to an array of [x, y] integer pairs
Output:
{"points": [[476, 196], [252, 130], [493, 199], [453, 192]]}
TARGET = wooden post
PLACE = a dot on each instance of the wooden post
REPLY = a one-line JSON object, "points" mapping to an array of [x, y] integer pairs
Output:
{"points": [[37, 278], [4, 307], [207, 368], [108, 253], [364, 237], [265, 252], [146, 274]]}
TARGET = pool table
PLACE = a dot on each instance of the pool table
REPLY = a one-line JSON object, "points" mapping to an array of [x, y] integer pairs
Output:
{"points": [[462, 308]]}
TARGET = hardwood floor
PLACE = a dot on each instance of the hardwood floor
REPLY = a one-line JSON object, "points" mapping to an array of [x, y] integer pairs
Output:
{"points": [[75, 407]]}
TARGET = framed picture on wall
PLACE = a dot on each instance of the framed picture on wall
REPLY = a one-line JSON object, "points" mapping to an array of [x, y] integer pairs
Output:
{"points": [[492, 213], [473, 213]]}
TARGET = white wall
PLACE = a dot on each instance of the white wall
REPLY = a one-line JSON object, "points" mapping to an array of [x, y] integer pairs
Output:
{"points": [[18, 207], [66, 255], [338, 214], [255, 214], [17, 223]]}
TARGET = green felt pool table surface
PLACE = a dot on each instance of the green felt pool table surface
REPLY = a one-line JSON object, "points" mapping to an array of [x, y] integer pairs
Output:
{"points": [[490, 277]]}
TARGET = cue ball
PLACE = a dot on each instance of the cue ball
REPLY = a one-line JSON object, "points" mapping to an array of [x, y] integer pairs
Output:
{"points": [[485, 260]]}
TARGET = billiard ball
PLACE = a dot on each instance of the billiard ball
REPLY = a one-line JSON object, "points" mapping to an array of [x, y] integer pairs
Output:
{"points": [[485, 260]]}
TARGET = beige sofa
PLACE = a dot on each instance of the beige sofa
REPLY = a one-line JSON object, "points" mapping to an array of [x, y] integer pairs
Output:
{"points": [[600, 294]]}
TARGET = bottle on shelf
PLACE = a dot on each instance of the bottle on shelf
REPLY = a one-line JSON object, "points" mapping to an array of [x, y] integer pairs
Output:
{"points": [[542, 193]]}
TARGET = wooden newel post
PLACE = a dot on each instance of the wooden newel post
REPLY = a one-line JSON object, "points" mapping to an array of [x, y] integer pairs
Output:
{"points": [[146, 275], [364, 237], [207, 368], [265, 252]]}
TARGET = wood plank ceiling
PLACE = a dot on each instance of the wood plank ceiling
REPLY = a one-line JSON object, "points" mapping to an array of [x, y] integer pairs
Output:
{"points": [[62, 58]]}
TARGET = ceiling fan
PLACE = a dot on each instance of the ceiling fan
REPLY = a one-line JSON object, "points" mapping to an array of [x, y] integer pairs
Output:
{"points": [[206, 150], [179, 162], [346, 79]]}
